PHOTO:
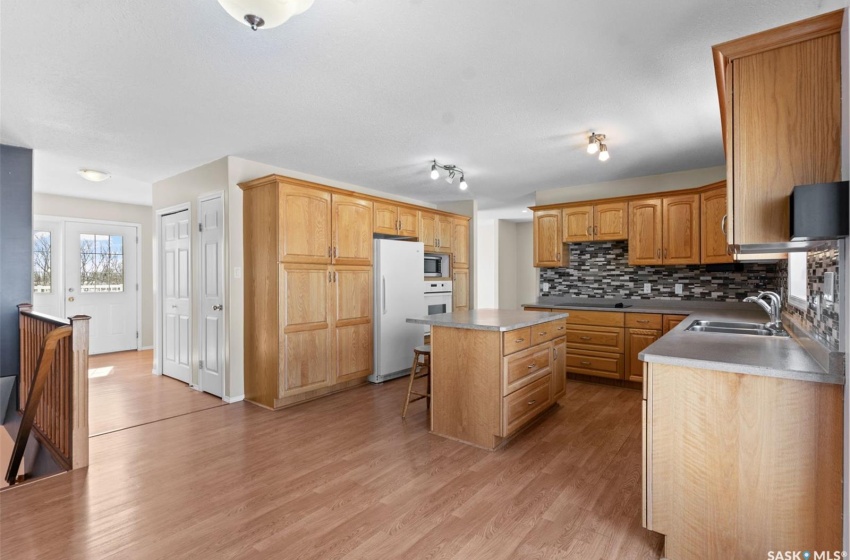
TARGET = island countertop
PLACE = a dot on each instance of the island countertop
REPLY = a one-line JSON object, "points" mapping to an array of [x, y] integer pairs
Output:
{"points": [[488, 319]]}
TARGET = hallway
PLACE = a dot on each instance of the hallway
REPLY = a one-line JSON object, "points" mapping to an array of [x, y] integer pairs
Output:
{"points": [[124, 393]]}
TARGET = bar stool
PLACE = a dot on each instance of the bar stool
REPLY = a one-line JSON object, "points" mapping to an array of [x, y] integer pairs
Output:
{"points": [[418, 371]]}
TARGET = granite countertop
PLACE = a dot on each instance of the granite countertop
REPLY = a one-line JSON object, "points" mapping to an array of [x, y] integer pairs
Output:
{"points": [[488, 319]]}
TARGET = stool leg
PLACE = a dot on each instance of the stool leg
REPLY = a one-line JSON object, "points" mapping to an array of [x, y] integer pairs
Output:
{"points": [[410, 384]]}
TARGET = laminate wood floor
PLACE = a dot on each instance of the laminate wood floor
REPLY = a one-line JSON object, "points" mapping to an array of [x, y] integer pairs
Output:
{"points": [[124, 393], [345, 478]]}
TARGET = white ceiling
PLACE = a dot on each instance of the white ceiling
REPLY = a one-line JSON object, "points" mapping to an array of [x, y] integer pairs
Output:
{"points": [[367, 92]]}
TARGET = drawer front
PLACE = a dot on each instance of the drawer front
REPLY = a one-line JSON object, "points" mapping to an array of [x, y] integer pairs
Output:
{"points": [[598, 364], [514, 341], [600, 339], [525, 366], [524, 405], [600, 318], [643, 321], [547, 331]]}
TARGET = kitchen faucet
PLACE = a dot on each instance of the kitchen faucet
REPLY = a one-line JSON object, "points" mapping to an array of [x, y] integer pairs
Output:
{"points": [[773, 308]]}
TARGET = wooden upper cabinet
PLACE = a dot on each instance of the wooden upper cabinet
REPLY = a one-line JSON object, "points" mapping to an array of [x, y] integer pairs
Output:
{"points": [[713, 227], [460, 243], [304, 225], [578, 224], [408, 221], [352, 230], [386, 218], [444, 235], [460, 289], [780, 98], [548, 245], [681, 231], [611, 221], [645, 232], [428, 230]]}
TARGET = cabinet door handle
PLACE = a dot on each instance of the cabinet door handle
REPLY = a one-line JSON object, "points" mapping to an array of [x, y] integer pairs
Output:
{"points": [[554, 353], [585, 363], [723, 224], [336, 276], [399, 225], [334, 252], [589, 231], [329, 276], [659, 253], [517, 341], [531, 402], [584, 337], [665, 253], [595, 230], [329, 251]]}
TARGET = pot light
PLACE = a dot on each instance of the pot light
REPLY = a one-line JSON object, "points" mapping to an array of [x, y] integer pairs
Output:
{"points": [[93, 175], [452, 170], [264, 13]]}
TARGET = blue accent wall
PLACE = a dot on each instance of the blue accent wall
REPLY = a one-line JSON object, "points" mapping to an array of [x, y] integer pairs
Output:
{"points": [[15, 249]]}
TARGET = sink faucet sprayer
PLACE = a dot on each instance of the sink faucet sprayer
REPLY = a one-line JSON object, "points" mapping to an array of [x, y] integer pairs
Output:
{"points": [[773, 308]]}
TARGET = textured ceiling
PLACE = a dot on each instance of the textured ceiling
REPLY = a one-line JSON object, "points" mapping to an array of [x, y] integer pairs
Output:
{"points": [[367, 92]]}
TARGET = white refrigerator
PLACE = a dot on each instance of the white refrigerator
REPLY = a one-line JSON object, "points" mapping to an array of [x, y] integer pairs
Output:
{"points": [[398, 295]]}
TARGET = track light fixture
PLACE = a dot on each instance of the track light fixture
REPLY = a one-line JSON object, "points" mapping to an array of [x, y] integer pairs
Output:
{"points": [[596, 144], [453, 171]]}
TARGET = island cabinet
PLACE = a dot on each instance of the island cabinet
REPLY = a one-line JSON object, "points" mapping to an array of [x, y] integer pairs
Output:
{"points": [[780, 106], [487, 384], [738, 465], [308, 290]]}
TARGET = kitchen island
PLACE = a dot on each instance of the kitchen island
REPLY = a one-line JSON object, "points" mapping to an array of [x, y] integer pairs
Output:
{"points": [[493, 371]]}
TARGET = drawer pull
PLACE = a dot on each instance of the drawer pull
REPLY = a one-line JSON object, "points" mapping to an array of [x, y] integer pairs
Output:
{"points": [[531, 402], [561, 328], [542, 334], [586, 363], [532, 366], [517, 341], [585, 337], [642, 321]]}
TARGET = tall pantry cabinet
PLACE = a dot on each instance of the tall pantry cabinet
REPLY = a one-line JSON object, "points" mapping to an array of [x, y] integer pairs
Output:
{"points": [[308, 290]]}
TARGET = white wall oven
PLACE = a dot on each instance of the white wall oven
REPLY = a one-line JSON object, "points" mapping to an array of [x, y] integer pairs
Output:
{"points": [[438, 299]]}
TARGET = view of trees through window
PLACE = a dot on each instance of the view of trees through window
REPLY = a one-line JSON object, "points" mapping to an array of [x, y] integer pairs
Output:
{"points": [[101, 263], [42, 281]]}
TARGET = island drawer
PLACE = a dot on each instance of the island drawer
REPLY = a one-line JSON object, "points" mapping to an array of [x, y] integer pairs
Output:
{"points": [[643, 321], [599, 364], [523, 405], [516, 340], [600, 318], [525, 366], [604, 339], [548, 331]]}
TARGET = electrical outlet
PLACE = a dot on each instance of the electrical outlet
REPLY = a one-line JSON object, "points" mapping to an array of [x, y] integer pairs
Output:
{"points": [[679, 289], [647, 288], [544, 286], [237, 272], [829, 287]]}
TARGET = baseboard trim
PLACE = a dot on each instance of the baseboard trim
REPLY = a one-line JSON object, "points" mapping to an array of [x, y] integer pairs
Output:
{"points": [[145, 348], [154, 372], [231, 400], [196, 387]]}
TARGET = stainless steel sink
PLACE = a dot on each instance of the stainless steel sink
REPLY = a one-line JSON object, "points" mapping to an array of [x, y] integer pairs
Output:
{"points": [[757, 329]]}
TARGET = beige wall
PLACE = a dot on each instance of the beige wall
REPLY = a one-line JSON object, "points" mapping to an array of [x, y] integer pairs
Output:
{"points": [[180, 189], [507, 264], [486, 275], [70, 207], [635, 185], [527, 279], [466, 208]]}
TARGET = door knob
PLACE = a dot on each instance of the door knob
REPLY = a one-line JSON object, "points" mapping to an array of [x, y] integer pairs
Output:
{"points": [[173, 307], [70, 299], [218, 307]]}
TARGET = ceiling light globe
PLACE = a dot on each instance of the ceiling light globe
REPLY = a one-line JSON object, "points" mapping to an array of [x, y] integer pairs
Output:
{"points": [[271, 13], [592, 147], [94, 175], [434, 173], [603, 153], [463, 186]]}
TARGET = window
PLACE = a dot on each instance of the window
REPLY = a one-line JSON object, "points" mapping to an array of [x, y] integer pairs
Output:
{"points": [[42, 279], [798, 280], [101, 263]]}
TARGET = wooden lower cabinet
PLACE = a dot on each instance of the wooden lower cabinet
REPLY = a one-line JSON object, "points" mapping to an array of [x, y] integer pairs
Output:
{"points": [[637, 340], [738, 466], [671, 321], [352, 289], [460, 290], [485, 390]]}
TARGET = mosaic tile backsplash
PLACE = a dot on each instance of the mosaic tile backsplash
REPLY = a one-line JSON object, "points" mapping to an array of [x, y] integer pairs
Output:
{"points": [[602, 270], [824, 324]]}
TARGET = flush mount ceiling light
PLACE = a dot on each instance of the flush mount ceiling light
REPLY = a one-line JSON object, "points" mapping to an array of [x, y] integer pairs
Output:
{"points": [[264, 13], [453, 171], [93, 175], [596, 144]]}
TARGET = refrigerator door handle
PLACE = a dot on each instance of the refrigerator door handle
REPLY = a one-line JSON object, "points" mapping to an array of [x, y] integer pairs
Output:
{"points": [[384, 293]]}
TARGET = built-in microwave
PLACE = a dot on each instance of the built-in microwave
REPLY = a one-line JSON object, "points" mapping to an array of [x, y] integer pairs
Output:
{"points": [[437, 266]]}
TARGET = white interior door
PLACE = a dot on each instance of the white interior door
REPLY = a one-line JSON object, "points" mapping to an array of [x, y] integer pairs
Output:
{"points": [[211, 218], [175, 243], [101, 281], [47, 292]]}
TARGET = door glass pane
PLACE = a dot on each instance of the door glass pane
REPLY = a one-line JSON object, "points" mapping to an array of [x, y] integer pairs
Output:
{"points": [[42, 280], [101, 263]]}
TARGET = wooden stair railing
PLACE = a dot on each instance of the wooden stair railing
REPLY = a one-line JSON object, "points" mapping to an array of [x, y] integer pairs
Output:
{"points": [[53, 389]]}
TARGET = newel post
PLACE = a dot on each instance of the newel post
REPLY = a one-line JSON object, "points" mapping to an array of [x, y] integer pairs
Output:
{"points": [[80, 391]]}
